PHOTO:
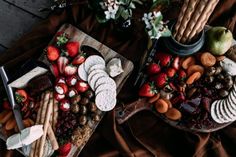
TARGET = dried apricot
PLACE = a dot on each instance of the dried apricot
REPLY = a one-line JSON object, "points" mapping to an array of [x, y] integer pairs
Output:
{"points": [[195, 68], [154, 98], [194, 77], [207, 59], [168, 102], [173, 114], [188, 62], [161, 106]]}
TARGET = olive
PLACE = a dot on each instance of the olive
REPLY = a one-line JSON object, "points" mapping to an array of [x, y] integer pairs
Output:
{"points": [[218, 70], [75, 108], [210, 71], [76, 99], [228, 78], [82, 120], [89, 94], [229, 84], [220, 77], [96, 117], [223, 93], [92, 107], [218, 85], [209, 79], [83, 109], [84, 101]]}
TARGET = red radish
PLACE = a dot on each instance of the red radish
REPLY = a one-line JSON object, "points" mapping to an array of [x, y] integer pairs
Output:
{"points": [[161, 80], [81, 86], [53, 53], [61, 88], [64, 105], [72, 48], [176, 63], [79, 59], [72, 92], [170, 72], [70, 70], [71, 80], [147, 90], [62, 63], [59, 97], [182, 75], [64, 149], [153, 68], [6, 105], [54, 69], [163, 58], [61, 80]]}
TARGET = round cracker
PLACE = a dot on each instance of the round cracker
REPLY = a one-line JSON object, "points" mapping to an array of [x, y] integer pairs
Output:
{"points": [[105, 80], [82, 73], [229, 116], [213, 112], [93, 60], [105, 101], [220, 112], [94, 78], [103, 87], [97, 66], [90, 75]]}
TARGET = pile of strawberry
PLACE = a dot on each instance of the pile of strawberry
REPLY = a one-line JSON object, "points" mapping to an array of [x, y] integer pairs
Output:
{"points": [[164, 72], [65, 57]]}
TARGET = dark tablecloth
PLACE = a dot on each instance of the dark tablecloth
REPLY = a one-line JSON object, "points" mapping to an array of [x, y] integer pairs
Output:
{"points": [[143, 134]]}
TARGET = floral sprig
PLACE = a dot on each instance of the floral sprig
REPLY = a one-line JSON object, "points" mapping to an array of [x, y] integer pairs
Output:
{"points": [[155, 27]]}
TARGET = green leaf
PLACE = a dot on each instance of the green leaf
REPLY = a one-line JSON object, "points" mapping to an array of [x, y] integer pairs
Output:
{"points": [[132, 5], [138, 1], [125, 14], [166, 33], [160, 2], [101, 19], [119, 12], [158, 20]]}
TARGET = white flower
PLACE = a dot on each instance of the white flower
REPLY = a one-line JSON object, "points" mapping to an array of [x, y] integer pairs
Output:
{"points": [[110, 13], [147, 16], [157, 14], [103, 5]]}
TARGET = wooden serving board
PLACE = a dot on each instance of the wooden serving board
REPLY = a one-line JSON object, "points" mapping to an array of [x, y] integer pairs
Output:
{"points": [[85, 40]]}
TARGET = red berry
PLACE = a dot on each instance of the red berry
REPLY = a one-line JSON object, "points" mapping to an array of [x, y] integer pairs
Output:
{"points": [[81, 86], [59, 97], [147, 90], [70, 70], [62, 63], [182, 75], [71, 80], [176, 63], [53, 53], [163, 58], [161, 80], [170, 72], [153, 68], [65, 149], [54, 69], [21, 95], [72, 48], [79, 59], [61, 88]]}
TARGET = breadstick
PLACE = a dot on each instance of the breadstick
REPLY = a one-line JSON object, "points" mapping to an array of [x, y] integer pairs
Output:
{"points": [[55, 114], [197, 13], [52, 138], [188, 13], [34, 145], [181, 15], [48, 112], [43, 106], [203, 19]]}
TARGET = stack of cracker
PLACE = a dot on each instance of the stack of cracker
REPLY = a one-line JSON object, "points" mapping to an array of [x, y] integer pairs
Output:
{"points": [[192, 19]]}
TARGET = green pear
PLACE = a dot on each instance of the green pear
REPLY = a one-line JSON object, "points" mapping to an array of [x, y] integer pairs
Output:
{"points": [[219, 40]]}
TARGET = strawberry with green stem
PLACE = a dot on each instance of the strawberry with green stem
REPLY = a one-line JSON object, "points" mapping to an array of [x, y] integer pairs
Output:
{"points": [[61, 39], [21, 96], [147, 90], [79, 59]]}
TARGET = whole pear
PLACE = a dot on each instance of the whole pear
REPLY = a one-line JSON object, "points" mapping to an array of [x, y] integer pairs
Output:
{"points": [[219, 40]]}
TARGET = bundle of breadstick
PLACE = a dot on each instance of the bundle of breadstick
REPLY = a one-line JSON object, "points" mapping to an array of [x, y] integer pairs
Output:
{"points": [[192, 19], [47, 115]]}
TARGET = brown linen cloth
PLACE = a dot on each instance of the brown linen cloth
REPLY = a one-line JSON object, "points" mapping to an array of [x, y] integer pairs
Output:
{"points": [[143, 135]]}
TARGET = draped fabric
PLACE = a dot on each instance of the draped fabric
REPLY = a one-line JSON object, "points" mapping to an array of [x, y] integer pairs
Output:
{"points": [[144, 134]]}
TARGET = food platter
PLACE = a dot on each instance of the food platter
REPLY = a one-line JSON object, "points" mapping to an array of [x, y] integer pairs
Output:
{"points": [[78, 82]]}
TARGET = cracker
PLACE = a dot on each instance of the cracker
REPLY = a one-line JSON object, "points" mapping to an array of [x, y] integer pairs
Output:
{"points": [[93, 60], [105, 101], [82, 73], [95, 77]]}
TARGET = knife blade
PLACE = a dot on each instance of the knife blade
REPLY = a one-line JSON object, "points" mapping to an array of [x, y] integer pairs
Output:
{"points": [[14, 105]]}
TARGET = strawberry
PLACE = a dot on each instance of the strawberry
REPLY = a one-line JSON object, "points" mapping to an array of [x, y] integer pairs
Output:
{"points": [[53, 53], [62, 63], [64, 105], [59, 97], [71, 80], [170, 72], [178, 99], [161, 80], [81, 86], [64, 149], [153, 68], [21, 95], [163, 58], [79, 59], [6, 105], [54, 69], [70, 70], [147, 90], [72, 92], [72, 48], [176, 63], [182, 75], [61, 88]]}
